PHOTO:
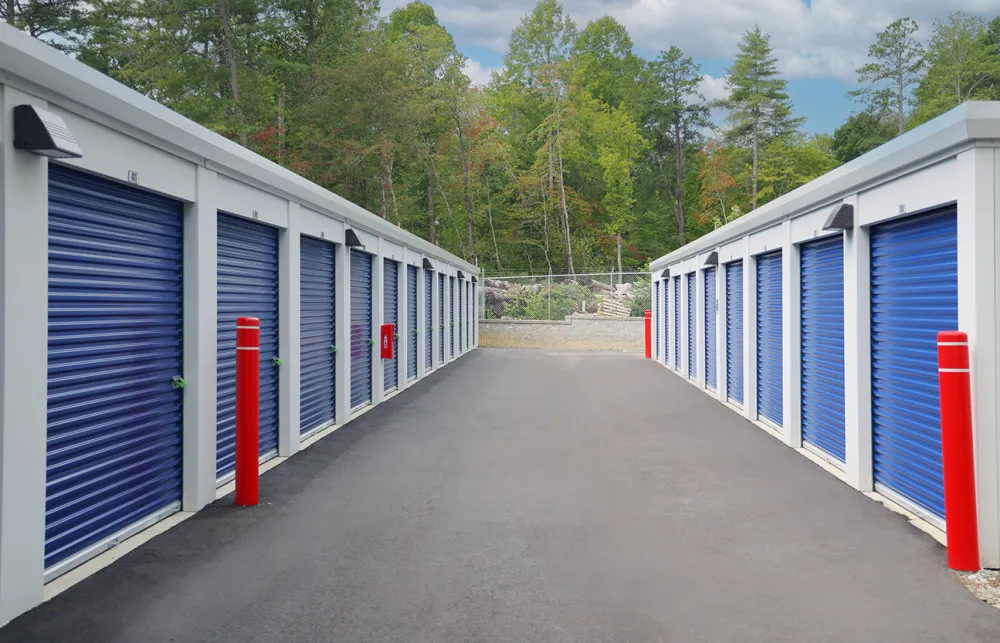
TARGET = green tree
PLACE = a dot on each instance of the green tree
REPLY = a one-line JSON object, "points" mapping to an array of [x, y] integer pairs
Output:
{"points": [[792, 161], [676, 115], [759, 107], [602, 62], [861, 133], [960, 66], [530, 97], [991, 43], [720, 197], [897, 60], [54, 21]]}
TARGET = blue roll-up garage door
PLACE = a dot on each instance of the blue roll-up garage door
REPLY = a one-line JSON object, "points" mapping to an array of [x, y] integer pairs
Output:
{"points": [[914, 268], [411, 315], [361, 329], [317, 372], [444, 321], [659, 316], [710, 326], [390, 315], [769, 348], [451, 316], [822, 327], [470, 289], [691, 331], [461, 316], [677, 322], [734, 332], [248, 287], [113, 441], [665, 307], [429, 321]]}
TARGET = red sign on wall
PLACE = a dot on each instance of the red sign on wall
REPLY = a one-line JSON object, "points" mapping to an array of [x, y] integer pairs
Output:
{"points": [[388, 342]]}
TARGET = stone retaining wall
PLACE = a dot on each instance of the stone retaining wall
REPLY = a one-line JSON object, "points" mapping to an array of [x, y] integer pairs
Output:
{"points": [[577, 332]]}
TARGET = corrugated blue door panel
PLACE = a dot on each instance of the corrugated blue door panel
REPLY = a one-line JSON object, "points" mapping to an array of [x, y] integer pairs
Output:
{"points": [[451, 316], [390, 315], [914, 295], [710, 325], [361, 329], [691, 331], [441, 316], [248, 287], [469, 318], [412, 330], [677, 322], [114, 422], [770, 380], [822, 328], [734, 331], [317, 371], [656, 303], [665, 307], [429, 321], [461, 296]]}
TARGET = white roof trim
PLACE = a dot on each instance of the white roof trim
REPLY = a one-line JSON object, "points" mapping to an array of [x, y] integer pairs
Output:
{"points": [[946, 134], [72, 84]]}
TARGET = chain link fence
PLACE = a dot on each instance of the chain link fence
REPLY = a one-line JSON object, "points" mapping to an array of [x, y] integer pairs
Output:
{"points": [[548, 297]]}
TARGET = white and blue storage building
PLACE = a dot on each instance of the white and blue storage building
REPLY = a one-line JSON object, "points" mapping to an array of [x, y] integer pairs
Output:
{"points": [[816, 315], [123, 273]]}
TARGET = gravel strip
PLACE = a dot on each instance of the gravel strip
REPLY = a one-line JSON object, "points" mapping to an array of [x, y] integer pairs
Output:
{"points": [[984, 585]]}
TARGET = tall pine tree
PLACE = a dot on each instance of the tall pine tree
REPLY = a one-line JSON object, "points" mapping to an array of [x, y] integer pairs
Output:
{"points": [[759, 108]]}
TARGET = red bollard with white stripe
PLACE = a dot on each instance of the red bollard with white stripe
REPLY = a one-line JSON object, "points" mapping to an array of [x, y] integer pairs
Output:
{"points": [[957, 451], [247, 410], [648, 315]]}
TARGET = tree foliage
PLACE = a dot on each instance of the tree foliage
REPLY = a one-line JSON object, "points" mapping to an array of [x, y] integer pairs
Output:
{"points": [[577, 156]]}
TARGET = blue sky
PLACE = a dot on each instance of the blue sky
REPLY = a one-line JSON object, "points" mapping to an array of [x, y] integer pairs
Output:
{"points": [[819, 43]]}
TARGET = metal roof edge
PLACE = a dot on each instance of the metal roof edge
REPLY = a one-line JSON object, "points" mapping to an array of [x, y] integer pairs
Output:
{"points": [[37, 63], [950, 131]]}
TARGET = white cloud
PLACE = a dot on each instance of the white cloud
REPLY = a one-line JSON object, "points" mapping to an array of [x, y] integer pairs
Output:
{"points": [[828, 39], [479, 75], [713, 89]]}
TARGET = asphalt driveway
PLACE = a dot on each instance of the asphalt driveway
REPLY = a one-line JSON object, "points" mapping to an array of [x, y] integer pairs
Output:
{"points": [[522, 496]]}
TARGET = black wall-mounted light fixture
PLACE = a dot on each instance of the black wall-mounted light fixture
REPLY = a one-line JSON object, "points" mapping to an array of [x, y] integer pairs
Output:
{"points": [[44, 133], [427, 264], [460, 275], [841, 218], [665, 274], [475, 280], [712, 259], [351, 239]]}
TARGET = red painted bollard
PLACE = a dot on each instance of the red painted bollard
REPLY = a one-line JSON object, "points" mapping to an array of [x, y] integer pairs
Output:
{"points": [[649, 333], [247, 410], [957, 451]]}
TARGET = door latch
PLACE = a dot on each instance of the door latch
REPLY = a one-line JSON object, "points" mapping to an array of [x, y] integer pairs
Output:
{"points": [[178, 382]]}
